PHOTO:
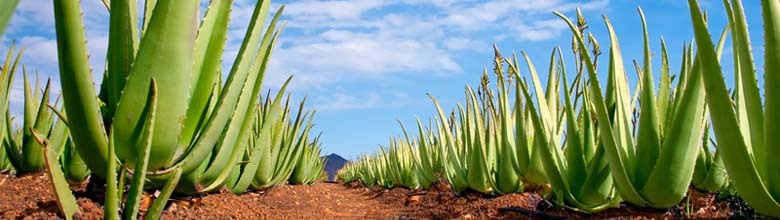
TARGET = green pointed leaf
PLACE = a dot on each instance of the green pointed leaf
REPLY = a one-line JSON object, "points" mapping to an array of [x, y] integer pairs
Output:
{"points": [[6, 12]]}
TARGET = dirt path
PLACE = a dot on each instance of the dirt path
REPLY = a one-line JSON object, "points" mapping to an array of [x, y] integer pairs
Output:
{"points": [[319, 201]]}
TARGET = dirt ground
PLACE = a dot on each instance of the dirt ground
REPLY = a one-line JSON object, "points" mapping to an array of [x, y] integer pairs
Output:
{"points": [[31, 197]]}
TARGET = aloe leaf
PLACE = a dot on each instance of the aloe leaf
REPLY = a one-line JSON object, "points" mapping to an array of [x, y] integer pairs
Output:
{"points": [[149, 6], [531, 170], [574, 151], [702, 162], [427, 157], [156, 209], [545, 110], [737, 158], [309, 166], [10, 144], [262, 141], [680, 147], [664, 89], [65, 199], [122, 46], [748, 97], [111, 206], [620, 106], [598, 190], [507, 176], [478, 163], [549, 154], [649, 136], [59, 133], [149, 116], [710, 174], [271, 155], [6, 12], [237, 130], [772, 86], [229, 97], [618, 99], [12, 154], [298, 138], [209, 46], [617, 157], [165, 54], [76, 170], [32, 151], [553, 91], [7, 77], [453, 166], [78, 92]]}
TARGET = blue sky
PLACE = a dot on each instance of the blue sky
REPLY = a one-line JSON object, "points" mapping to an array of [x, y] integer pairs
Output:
{"points": [[366, 63]]}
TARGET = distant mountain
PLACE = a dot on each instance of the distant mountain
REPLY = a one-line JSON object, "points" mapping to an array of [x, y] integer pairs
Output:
{"points": [[333, 165]]}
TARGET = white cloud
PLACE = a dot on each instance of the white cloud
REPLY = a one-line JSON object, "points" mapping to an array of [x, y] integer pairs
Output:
{"points": [[343, 101], [337, 41], [332, 42], [538, 30], [437, 3], [481, 16], [33, 14], [339, 100], [365, 54], [32, 27], [38, 51], [331, 10], [531, 20], [463, 43]]}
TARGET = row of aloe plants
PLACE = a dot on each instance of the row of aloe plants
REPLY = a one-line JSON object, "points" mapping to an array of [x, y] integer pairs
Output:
{"points": [[162, 119], [597, 147], [20, 152], [6, 12]]}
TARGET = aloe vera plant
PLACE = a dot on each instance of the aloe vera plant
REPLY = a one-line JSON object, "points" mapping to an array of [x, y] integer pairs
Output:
{"points": [[26, 154], [202, 118], [309, 168], [20, 151], [401, 168], [478, 151], [578, 171], [288, 139], [490, 148], [425, 154], [277, 144], [518, 154], [363, 170], [6, 82], [412, 162], [517, 133], [428, 155], [652, 156], [744, 126], [654, 167], [187, 68], [470, 148], [65, 199]]}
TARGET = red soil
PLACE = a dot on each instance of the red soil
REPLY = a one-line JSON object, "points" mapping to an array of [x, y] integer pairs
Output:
{"points": [[31, 197]]}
